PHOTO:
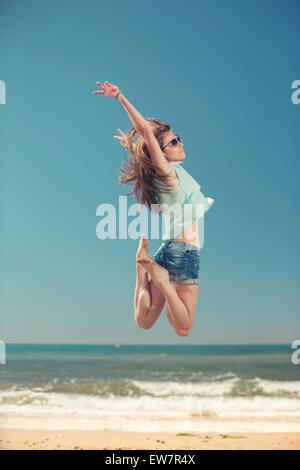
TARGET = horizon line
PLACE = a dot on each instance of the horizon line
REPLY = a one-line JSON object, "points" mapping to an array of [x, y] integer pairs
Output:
{"points": [[151, 344]]}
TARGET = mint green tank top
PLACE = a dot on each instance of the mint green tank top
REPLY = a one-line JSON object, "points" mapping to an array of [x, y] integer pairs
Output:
{"points": [[183, 205]]}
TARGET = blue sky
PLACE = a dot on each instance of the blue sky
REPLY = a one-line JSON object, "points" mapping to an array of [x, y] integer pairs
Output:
{"points": [[221, 74]]}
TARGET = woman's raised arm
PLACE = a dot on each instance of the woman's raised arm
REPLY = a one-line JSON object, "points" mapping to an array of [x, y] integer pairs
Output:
{"points": [[143, 128], [139, 122]]}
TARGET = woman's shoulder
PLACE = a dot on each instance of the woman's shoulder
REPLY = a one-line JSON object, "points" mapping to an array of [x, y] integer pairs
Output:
{"points": [[173, 182]]}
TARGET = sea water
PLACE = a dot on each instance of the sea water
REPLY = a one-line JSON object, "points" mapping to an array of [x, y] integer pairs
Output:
{"points": [[180, 388]]}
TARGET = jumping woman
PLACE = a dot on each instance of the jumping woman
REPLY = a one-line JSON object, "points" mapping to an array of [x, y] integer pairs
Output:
{"points": [[171, 277]]}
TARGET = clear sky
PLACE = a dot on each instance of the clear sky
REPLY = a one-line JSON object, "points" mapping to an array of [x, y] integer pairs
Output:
{"points": [[220, 72]]}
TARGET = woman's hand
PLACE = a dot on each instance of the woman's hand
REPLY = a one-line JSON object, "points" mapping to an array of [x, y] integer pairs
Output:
{"points": [[123, 139], [109, 90]]}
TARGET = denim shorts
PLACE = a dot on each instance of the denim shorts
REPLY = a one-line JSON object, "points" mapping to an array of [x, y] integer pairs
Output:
{"points": [[181, 259]]}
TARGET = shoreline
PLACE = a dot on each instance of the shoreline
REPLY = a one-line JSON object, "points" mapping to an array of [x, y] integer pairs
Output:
{"points": [[18, 439]]}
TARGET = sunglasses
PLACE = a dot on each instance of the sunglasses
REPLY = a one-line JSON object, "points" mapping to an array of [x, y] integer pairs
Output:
{"points": [[174, 142]]}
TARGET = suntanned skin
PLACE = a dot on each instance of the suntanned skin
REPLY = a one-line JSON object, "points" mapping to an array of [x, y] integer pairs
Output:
{"points": [[154, 290], [153, 287]]}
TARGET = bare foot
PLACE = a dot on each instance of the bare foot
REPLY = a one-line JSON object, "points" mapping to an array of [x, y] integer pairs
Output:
{"points": [[143, 247], [159, 274]]}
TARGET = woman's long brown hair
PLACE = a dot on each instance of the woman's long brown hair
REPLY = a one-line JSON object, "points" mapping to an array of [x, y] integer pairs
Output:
{"points": [[139, 170]]}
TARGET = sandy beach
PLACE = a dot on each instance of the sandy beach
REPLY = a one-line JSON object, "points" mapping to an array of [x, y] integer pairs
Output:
{"points": [[108, 440], [155, 397]]}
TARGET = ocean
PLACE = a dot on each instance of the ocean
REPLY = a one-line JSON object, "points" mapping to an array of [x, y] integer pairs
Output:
{"points": [[182, 388]]}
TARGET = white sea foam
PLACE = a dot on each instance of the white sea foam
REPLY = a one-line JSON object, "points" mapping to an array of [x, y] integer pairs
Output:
{"points": [[193, 406]]}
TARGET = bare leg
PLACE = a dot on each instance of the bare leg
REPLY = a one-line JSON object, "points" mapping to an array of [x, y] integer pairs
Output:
{"points": [[148, 299], [142, 294], [189, 296], [180, 316]]}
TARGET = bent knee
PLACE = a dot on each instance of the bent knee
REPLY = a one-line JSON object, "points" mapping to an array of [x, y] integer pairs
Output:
{"points": [[142, 324], [183, 332]]}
